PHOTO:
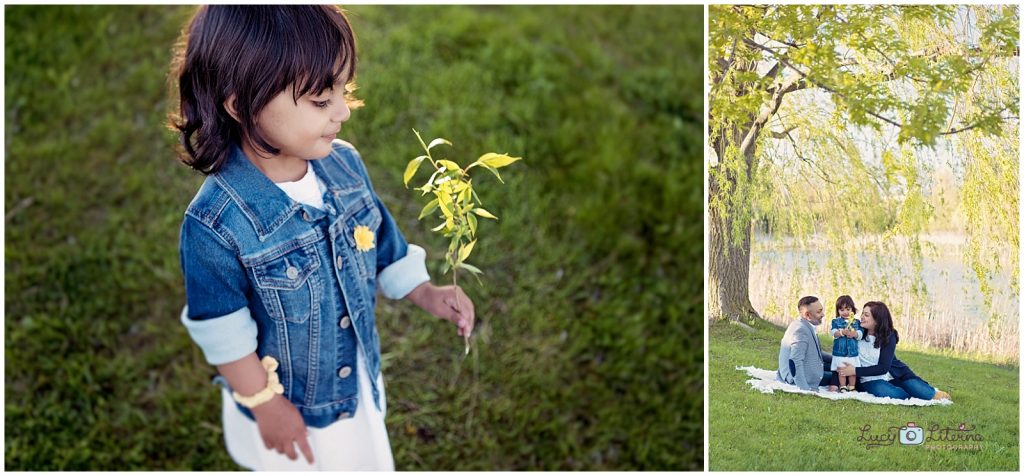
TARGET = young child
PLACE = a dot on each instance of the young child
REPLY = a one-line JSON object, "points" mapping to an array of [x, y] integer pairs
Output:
{"points": [[285, 243], [847, 331]]}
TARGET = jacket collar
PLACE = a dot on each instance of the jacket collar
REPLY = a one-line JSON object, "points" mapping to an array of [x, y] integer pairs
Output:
{"points": [[267, 206], [262, 202]]}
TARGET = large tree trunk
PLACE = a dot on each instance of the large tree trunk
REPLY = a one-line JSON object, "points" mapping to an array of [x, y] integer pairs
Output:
{"points": [[729, 259], [728, 267]]}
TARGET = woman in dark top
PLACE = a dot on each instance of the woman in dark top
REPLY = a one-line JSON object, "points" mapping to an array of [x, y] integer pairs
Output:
{"points": [[889, 377]]}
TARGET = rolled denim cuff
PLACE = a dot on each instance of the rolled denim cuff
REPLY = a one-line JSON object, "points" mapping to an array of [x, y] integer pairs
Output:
{"points": [[402, 276], [223, 339]]}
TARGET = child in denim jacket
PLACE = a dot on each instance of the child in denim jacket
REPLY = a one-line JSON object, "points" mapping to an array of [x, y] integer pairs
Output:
{"points": [[847, 331], [286, 242]]}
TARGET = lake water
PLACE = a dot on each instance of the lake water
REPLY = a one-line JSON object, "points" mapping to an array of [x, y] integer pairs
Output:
{"points": [[952, 285]]}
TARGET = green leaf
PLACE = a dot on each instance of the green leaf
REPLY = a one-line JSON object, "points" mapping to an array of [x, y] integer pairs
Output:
{"points": [[465, 195], [470, 268], [493, 171], [431, 206], [472, 224], [466, 250], [438, 141], [449, 165], [457, 238], [484, 213], [446, 267], [438, 227], [497, 160], [410, 170], [445, 201], [434, 175]]}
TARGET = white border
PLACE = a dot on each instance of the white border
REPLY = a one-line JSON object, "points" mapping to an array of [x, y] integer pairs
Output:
{"points": [[707, 341]]}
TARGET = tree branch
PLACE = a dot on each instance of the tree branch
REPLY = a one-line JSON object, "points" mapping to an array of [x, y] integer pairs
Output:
{"points": [[766, 112], [726, 65], [821, 173], [783, 134], [793, 86], [975, 125], [776, 68], [930, 53]]}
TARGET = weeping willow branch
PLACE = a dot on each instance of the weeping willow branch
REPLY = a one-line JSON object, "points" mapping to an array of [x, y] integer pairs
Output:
{"points": [[792, 86]]}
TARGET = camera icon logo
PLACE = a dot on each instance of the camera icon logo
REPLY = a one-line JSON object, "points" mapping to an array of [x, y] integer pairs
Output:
{"points": [[911, 434]]}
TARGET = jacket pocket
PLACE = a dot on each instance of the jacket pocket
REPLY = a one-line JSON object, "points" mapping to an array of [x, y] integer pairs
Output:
{"points": [[366, 214], [288, 283]]}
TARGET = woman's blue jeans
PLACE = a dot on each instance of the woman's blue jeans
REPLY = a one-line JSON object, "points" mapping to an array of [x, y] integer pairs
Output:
{"points": [[898, 389]]}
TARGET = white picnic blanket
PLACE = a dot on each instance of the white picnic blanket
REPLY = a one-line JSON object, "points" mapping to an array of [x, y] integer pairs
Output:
{"points": [[765, 382]]}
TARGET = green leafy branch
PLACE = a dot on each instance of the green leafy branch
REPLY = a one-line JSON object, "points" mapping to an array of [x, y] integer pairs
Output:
{"points": [[459, 205]]}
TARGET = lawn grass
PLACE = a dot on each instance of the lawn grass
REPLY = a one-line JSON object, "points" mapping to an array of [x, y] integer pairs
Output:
{"points": [[588, 353], [749, 430]]}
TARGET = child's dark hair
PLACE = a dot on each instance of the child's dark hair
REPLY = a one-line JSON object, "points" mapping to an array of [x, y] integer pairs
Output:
{"points": [[253, 52], [845, 301]]}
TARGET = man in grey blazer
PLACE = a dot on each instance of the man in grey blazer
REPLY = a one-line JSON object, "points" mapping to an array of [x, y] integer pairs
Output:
{"points": [[801, 360]]}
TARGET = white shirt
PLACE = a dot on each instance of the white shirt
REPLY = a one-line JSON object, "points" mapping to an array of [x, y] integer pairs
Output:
{"points": [[306, 190], [868, 357]]}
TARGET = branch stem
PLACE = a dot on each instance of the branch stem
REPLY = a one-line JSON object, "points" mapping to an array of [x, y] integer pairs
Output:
{"points": [[458, 305]]}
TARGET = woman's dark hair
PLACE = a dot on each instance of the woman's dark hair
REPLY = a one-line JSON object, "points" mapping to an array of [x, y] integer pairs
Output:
{"points": [[253, 52], [883, 323], [845, 301]]}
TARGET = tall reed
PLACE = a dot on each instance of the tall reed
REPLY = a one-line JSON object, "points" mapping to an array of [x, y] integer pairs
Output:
{"points": [[940, 311]]}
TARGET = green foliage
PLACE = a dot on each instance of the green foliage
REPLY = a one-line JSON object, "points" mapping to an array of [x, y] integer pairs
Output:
{"points": [[749, 430], [848, 110], [452, 188], [589, 327], [455, 198]]}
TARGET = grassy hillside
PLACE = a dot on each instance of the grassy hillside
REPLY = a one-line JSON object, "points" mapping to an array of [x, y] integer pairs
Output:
{"points": [[782, 431], [588, 353]]}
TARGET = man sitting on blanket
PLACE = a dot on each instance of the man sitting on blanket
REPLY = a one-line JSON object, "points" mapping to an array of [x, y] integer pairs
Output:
{"points": [[801, 361]]}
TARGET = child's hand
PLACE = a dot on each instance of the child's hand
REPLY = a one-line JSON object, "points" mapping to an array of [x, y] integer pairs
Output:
{"points": [[849, 333], [282, 427], [441, 302]]}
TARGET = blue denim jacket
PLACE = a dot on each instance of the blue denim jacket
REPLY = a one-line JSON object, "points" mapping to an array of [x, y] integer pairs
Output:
{"points": [[845, 346], [267, 274]]}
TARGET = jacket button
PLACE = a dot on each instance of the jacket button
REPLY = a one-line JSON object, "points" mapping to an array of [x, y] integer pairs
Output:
{"points": [[345, 322], [292, 272], [345, 372], [344, 416], [305, 216], [338, 262]]}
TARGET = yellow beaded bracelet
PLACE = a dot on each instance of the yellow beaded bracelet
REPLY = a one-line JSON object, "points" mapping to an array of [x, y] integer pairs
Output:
{"points": [[263, 396]]}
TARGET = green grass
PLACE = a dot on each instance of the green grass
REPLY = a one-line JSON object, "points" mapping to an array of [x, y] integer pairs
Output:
{"points": [[588, 353], [783, 431]]}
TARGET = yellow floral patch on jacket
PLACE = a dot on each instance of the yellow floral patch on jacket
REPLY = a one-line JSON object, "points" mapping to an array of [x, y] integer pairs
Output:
{"points": [[364, 238]]}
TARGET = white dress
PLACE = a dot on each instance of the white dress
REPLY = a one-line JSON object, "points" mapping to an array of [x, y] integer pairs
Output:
{"points": [[359, 443]]}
